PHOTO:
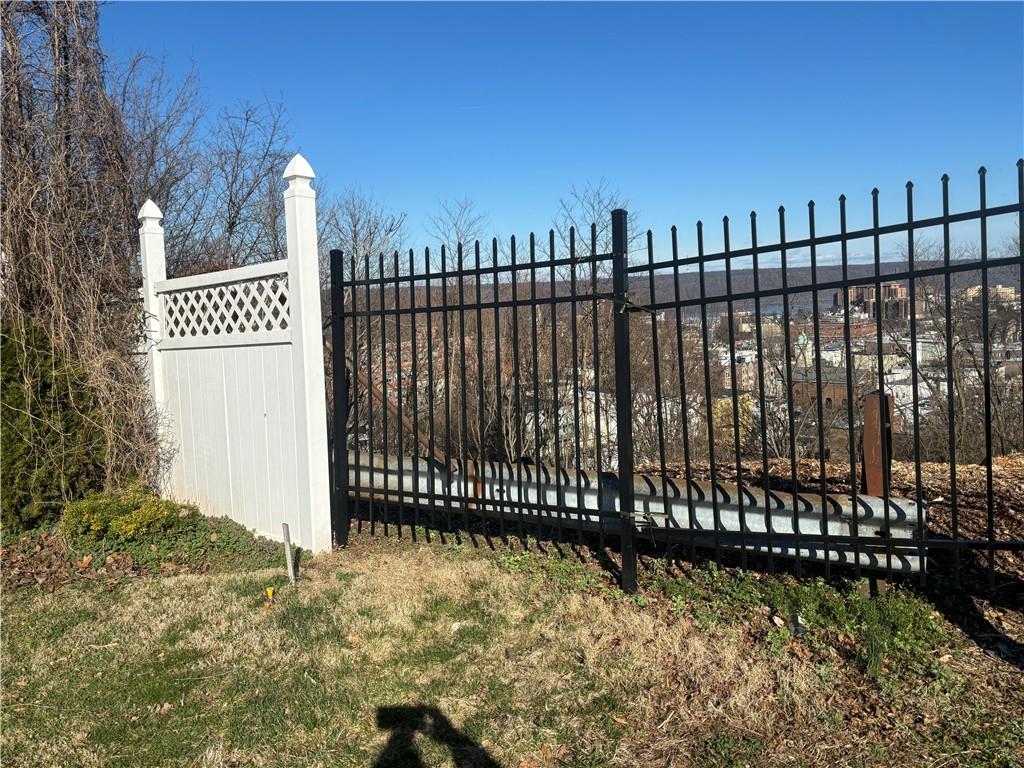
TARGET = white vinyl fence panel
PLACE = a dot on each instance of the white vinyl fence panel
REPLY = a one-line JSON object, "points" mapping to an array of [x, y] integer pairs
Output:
{"points": [[236, 368]]}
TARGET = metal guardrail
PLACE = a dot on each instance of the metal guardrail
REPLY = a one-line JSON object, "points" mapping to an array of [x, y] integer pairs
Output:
{"points": [[844, 531]]}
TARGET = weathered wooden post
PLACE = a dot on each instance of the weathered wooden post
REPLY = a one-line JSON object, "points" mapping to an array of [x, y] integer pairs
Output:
{"points": [[876, 451]]}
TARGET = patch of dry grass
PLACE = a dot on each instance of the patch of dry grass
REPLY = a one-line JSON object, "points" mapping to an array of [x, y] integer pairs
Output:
{"points": [[539, 665]]}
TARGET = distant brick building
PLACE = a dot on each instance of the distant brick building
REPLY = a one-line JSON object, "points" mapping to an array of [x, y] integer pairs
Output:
{"points": [[895, 301]]}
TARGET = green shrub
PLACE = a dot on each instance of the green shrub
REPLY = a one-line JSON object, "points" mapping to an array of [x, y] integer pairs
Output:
{"points": [[156, 532], [51, 448], [88, 520], [152, 517], [125, 517]]}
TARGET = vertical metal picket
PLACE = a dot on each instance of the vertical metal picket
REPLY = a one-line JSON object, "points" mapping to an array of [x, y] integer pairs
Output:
{"points": [[623, 397], [339, 499], [534, 491]]}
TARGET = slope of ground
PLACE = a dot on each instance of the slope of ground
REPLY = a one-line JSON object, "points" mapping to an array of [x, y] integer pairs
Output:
{"points": [[469, 656]]}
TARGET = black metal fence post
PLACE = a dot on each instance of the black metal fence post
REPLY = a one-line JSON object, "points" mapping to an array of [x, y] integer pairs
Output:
{"points": [[623, 397], [339, 498]]}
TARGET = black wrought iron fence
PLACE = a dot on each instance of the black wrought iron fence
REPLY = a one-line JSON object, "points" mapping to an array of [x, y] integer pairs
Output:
{"points": [[820, 399]]}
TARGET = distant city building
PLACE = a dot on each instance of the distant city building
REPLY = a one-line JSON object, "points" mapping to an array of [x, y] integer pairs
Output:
{"points": [[895, 301], [745, 322], [834, 329], [833, 388], [1001, 293], [742, 322]]}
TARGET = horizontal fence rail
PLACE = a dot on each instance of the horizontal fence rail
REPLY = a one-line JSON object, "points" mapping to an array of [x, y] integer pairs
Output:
{"points": [[778, 400]]}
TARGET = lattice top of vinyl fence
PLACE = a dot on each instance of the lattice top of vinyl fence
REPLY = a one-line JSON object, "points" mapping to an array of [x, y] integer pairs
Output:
{"points": [[250, 306]]}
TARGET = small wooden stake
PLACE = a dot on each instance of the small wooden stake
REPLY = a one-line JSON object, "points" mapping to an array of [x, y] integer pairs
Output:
{"points": [[288, 553]]}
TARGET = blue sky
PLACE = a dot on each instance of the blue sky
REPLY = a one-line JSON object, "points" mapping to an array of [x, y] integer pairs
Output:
{"points": [[691, 110]]}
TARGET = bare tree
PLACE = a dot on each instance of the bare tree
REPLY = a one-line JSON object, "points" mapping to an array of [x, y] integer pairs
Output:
{"points": [[162, 123], [217, 181], [364, 231], [458, 222], [361, 228], [223, 207], [69, 229], [584, 221], [83, 146], [956, 323]]}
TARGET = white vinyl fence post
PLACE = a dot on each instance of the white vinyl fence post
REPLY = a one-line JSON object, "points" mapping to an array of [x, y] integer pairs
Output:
{"points": [[308, 346], [154, 269]]}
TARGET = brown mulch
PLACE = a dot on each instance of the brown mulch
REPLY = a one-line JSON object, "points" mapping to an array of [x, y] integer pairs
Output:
{"points": [[45, 561]]}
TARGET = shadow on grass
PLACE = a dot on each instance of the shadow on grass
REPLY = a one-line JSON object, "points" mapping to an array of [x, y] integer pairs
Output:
{"points": [[404, 722], [552, 535], [956, 601]]}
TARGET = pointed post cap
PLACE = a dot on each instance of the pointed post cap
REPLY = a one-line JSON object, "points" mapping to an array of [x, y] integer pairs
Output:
{"points": [[298, 168], [149, 210]]}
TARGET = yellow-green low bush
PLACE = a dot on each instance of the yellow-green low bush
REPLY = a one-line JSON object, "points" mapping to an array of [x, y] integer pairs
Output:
{"points": [[159, 531], [151, 517], [124, 517]]}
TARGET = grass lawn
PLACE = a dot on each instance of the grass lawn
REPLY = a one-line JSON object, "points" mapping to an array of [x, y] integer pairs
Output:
{"points": [[463, 656]]}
